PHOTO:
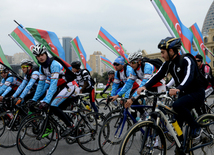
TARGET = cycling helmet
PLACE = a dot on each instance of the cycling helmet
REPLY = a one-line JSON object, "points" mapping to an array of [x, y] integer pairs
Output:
{"points": [[135, 56], [27, 62], [39, 49], [199, 57], [169, 43], [76, 64], [119, 60], [110, 72], [3, 68]]}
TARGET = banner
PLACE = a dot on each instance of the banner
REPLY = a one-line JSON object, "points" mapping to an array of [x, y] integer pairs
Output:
{"points": [[168, 14], [107, 62], [3, 59], [111, 43], [78, 48]]}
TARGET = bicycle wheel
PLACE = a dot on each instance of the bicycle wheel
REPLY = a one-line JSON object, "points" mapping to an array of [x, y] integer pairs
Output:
{"points": [[29, 141], [88, 130], [111, 134], [9, 129], [113, 113], [206, 138], [211, 109], [2, 126], [143, 138], [104, 108]]}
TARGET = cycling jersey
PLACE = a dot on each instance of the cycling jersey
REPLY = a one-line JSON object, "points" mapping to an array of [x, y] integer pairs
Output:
{"points": [[52, 78], [30, 81], [124, 78], [8, 84]]}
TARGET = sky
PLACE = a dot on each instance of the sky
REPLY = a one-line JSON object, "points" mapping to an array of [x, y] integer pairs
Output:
{"points": [[134, 23]]}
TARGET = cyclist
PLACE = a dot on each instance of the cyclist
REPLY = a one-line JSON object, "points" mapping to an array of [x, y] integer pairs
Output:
{"points": [[186, 76], [28, 86], [111, 75], [59, 88], [143, 71], [85, 82], [123, 73], [9, 83]]}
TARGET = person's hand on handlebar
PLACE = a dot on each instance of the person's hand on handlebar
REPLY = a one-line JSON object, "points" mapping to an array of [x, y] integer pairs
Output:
{"points": [[139, 90], [128, 103], [173, 92], [114, 97]]}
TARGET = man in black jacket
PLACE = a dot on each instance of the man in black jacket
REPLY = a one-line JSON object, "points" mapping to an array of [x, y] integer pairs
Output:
{"points": [[185, 73]]}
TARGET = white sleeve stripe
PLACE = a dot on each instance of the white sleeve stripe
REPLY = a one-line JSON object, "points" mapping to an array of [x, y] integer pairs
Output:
{"points": [[188, 71]]}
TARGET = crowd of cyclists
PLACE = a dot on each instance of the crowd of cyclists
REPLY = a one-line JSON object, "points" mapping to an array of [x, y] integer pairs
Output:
{"points": [[53, 86]]}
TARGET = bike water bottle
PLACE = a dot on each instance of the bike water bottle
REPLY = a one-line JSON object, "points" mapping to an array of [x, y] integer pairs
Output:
{"points": [[177, 129], [138, 119], [87, 107], [9, 114]]}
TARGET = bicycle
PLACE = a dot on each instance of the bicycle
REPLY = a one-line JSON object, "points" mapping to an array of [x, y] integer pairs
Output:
{"points": [[112, 131], [41, 133], [144, 142]]}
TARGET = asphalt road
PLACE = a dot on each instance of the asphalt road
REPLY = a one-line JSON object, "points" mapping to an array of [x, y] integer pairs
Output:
{"points": [[64, 149]]}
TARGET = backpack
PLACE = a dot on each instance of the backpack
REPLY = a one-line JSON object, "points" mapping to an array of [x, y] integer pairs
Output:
{"points": [[211, 78], [200, 77], [92, 80], [69, 75], [156, 62]]}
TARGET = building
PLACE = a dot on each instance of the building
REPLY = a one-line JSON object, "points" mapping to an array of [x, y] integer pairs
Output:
{"points": [[18, 57], [9, 59], [70, 54], [208, 21], [96, 64]]}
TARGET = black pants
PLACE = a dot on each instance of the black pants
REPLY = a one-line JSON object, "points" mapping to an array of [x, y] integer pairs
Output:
{"points": [[185, 103]]}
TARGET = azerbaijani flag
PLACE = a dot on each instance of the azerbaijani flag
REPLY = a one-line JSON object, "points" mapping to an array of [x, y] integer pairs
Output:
{"points": [[169, 16], [111, 43], [107, 62], [209, 50], [78, 48], [51, 42], [199, 42], [24, 41], [3, 59]]}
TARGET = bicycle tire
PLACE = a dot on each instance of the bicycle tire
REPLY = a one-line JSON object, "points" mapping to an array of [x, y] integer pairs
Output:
{"points": [[88, 130], [31, 144], [113, 113], [104, 108], [207, 122], [109, 139], [138, 138], [211, 109]]}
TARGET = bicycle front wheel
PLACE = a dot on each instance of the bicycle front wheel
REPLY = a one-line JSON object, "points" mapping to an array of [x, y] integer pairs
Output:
{"points": [[31, 139], [204, 145], [143, 138]]}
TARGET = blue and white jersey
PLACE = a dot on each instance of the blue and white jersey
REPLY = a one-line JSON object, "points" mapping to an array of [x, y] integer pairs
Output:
{"points": [[8, 84], [124, 79], [49, 80], [27, 84]]}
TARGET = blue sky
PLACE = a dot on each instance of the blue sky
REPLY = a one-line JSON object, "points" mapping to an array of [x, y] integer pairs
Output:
{"points": [[134, 23]]}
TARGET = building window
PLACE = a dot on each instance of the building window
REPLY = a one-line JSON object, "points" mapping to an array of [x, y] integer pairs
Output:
{"points": [[205, 39], [213, 63], [213, 38]]}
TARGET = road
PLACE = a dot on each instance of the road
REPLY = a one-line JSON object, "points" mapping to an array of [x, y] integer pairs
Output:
{"points": [[64, 148]]}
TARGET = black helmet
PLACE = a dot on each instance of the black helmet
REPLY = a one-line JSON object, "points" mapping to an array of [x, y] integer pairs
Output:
{"points": [[76, 64], [170, 42], [110, 72]]}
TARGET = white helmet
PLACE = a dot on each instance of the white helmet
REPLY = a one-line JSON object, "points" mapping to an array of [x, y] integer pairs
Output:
{"points": [[3, 68], [27, 62], [39, 49], [135, 56]]}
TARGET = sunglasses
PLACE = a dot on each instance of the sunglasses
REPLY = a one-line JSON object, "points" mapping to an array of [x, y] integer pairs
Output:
{"points": [[116, 64], [133, 62], [24, 66], [3, 72], [198, 60]]}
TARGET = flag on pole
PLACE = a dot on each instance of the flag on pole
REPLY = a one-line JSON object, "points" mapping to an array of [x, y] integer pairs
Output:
{"points": [[169, 16], [107, 62], [209, 50], [111, 43], [24, 41], [78, 48], [51, 42], [3, 59], [199, 42]]}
